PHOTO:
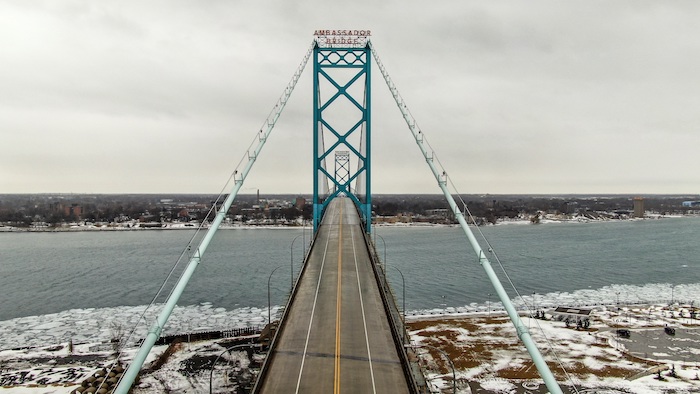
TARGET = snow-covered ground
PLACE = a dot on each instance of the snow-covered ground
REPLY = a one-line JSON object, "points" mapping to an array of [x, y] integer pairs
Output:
{"points": [[35, 356], [486, 352], [34, 351]]}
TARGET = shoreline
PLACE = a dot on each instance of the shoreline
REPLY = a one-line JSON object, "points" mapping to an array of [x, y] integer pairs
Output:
{"points": [[179, 226], [596, 357], [94, 322]]}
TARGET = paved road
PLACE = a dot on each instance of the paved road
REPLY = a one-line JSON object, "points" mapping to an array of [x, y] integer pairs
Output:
{"points": [[336, 337], [655, 344]]}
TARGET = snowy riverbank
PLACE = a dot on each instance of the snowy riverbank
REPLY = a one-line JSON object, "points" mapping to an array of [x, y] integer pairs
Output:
{"points": [[482, 346], [151, 226], [99, 324]]}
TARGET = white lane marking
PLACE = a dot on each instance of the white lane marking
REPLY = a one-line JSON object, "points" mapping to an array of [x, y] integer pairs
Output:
{"points": [[362, 306], [313, 311]]}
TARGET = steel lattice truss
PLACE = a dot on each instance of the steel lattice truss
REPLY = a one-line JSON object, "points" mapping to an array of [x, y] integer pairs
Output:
{"points": [[342, 124]]}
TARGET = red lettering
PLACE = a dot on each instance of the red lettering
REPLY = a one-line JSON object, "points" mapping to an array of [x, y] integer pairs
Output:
{"points": [[359, 33]]}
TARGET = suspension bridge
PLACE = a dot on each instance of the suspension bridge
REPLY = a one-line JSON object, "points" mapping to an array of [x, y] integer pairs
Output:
{"points": [[341, 329]]}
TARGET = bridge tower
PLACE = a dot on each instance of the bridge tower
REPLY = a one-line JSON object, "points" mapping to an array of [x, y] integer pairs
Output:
{"points": [[341, 116], [342, 166]]}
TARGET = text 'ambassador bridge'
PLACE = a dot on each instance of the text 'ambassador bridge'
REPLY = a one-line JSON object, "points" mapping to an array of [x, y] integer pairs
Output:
{"points": [[341, 329]]}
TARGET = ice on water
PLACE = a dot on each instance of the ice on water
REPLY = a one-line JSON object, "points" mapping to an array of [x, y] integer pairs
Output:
{"points": [[608, 295], [100, 325]]}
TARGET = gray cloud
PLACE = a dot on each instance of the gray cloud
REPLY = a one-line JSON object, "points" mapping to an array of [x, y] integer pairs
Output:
{"points": [[165, 96]]}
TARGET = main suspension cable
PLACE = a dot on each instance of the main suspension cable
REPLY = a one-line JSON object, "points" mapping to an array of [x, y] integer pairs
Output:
{"points": [[238, 176], [442, 179], [492, 250]]}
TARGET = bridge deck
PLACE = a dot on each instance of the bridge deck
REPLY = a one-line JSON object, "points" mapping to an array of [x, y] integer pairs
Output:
{"points": [[336, 335]]}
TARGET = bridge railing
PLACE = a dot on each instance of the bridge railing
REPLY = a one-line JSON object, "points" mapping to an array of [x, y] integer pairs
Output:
{"points": [[413, 373], [266, 364]]}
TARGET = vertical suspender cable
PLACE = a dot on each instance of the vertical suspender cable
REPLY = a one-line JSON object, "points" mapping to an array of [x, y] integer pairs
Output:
{"points": [[441, 177], [239, 177]]}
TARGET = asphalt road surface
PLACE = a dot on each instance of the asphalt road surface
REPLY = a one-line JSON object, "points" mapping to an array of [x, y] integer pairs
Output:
{"points": [[337, 337], [655, 344]]}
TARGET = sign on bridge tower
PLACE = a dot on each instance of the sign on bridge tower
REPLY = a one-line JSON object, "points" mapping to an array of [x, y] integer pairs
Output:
{"points": [[341, 96]]}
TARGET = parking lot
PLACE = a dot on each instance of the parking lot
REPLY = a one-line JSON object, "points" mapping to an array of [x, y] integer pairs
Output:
{"points": [[655, 344]]}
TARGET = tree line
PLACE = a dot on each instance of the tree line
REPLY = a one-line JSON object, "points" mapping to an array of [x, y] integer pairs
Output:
{"points": [[25, 209]]}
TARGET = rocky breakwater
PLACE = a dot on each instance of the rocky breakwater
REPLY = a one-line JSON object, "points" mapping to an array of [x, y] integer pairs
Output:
{"points": [[101, 382]]}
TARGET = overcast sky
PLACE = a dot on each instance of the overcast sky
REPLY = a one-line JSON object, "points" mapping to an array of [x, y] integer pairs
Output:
{"points": [[515, 97]]}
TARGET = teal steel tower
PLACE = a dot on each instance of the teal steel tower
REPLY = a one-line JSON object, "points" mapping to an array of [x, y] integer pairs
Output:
{"points": [[341, 97]]}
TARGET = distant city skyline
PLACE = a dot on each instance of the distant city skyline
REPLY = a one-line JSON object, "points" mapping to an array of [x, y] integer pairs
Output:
{"points": [[516, 98]]}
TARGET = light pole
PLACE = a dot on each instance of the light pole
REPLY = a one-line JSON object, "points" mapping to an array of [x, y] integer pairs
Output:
{"points": [[403, 299], [534, 301], [672, 286], [211, 372], [291, 259], [692, 313], [488, 304], [454, 375], [384, 242], [269, 307]]}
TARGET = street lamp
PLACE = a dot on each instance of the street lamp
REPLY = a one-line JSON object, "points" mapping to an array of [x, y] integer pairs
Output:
{"points": [[403, 299], [269, 307], [303, 232], [488, 304], [384, 242], [692, 313], [672, 287], [291, 259], [534, 301], [211, 372], [454, 375]]}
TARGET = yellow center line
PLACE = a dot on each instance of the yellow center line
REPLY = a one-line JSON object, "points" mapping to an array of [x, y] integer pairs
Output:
{"points": [[336, 382]]}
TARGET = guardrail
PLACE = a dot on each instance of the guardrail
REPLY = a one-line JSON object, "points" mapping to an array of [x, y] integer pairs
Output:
{"points": [[266, 364], [413, 373]]}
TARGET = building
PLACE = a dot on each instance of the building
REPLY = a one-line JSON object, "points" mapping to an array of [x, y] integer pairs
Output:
{"points": [[300, 202], [580, 316], [638, 207], [73, 210]]}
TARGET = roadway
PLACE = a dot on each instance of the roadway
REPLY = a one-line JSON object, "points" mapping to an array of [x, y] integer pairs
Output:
{"points": [[336, 337]]}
